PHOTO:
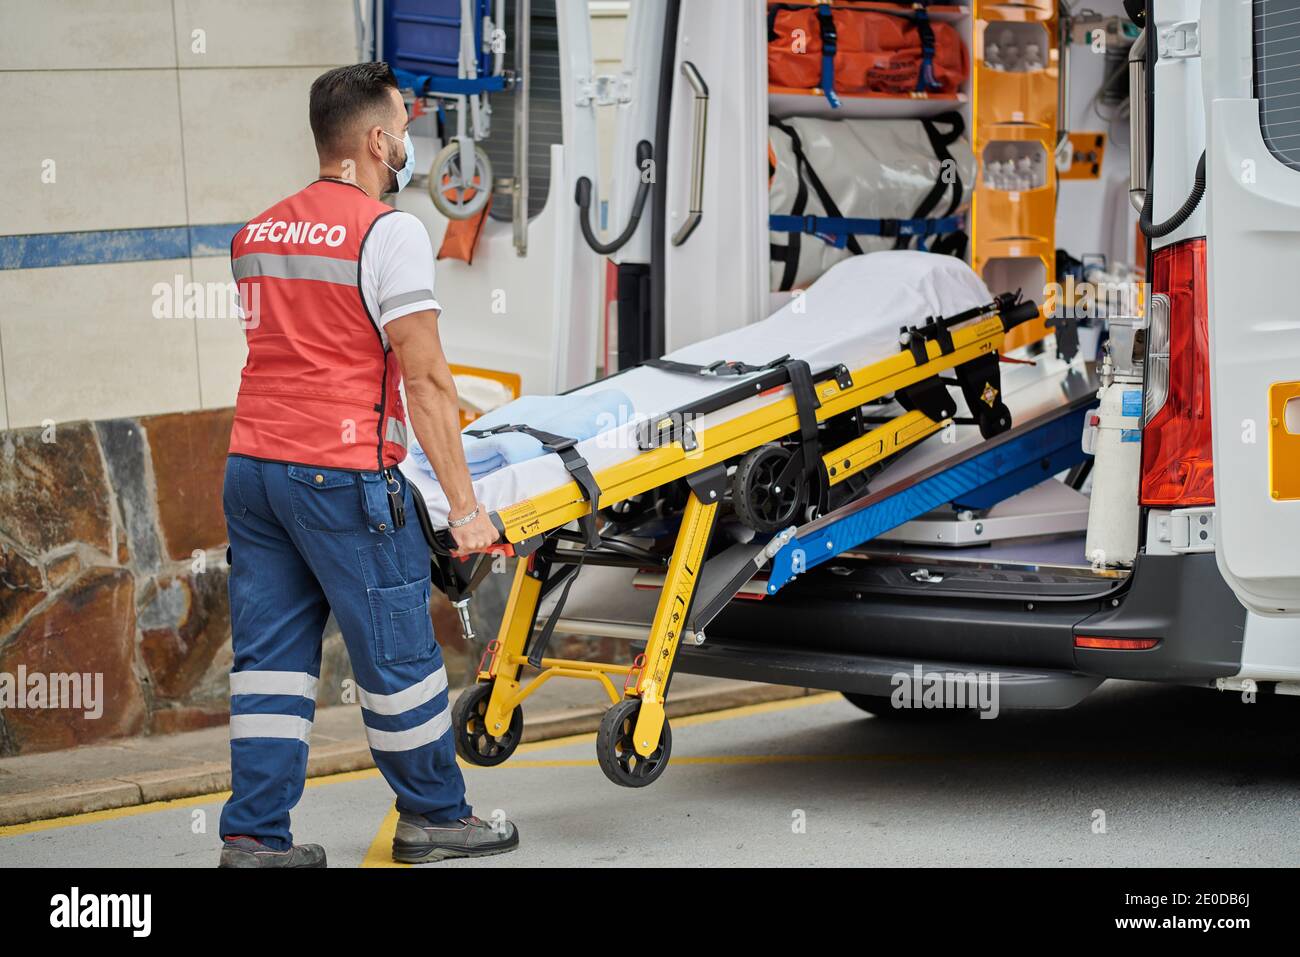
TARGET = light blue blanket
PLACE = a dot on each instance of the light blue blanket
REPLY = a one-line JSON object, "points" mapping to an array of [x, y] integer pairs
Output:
{"points": [[573, 416]]}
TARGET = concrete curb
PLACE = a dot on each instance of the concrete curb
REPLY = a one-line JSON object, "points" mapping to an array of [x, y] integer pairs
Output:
{"points": [[130, 790]]}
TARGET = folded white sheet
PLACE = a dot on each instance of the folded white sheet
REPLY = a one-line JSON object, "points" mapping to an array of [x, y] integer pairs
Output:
{"points": [[850, 315], [579, 415]]}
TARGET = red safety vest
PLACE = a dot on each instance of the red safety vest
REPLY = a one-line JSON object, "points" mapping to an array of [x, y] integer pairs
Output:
{"points": [[319, 387]]}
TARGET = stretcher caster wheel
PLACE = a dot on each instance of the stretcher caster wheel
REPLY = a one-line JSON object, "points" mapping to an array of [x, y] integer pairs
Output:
{"points": [[994, 421], [455, 198], [617, 753], [474, 741], [757, 495]]}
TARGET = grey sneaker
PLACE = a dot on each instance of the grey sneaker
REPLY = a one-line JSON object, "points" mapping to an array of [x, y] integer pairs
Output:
{"points": [[250, 852], [418, 839]]}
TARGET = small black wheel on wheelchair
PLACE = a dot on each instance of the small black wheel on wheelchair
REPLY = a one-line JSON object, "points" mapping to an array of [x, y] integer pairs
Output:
{"points": [[616, 748], [475, 742], [759, 497]]}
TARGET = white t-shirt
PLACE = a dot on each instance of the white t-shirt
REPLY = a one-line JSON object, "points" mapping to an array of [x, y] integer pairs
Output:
{"points": [[397, 269]]}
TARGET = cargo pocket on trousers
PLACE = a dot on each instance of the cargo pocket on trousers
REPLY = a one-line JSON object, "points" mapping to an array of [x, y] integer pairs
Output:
{"points": [[399, 615]]}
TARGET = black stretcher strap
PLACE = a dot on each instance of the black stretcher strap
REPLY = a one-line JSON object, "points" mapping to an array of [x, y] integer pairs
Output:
{"points": [[577, 466], [806, 404], [542, 641], [719, 369]]}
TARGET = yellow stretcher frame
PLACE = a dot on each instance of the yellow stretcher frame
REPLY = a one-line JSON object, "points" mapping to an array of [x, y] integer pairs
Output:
{"points": [[657, 467], [647, 679]]}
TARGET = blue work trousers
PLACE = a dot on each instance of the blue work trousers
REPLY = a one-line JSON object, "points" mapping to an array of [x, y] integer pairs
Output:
{"points": [[305, 541]]}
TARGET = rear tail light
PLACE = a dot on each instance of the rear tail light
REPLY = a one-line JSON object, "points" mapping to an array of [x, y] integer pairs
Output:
{"points": [[1115, 644], [1157, 357], [1177, 455]]}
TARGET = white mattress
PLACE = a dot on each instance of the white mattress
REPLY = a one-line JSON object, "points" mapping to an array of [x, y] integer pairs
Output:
{"points": [[850, 315]]}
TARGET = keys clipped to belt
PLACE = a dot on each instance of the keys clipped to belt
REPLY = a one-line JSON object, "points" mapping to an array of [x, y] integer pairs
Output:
{"points": [[395, 504]]}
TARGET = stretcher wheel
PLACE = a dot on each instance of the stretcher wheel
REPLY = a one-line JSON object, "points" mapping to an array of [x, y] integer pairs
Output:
{"points": [[759, 499], [616, 751], [994, 421], [474, 742], [455, 198]]}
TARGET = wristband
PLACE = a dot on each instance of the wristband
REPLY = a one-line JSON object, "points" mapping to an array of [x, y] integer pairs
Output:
{"points": [[463, 521]]}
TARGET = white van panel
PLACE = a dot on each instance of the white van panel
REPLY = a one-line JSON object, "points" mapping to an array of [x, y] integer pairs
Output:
{"points": [[642, 59], [1253, 246], [1271, 651], [717, 279], [1178, 126]]}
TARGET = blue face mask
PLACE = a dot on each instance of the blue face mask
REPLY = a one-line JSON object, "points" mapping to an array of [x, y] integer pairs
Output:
{"points": [[408, 168]]}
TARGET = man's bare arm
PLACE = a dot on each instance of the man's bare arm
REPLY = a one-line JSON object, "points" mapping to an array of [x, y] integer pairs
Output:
{"points": [[431, 401]]}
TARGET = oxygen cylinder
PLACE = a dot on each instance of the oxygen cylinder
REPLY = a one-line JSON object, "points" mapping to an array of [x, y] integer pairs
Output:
{"points": [[1113, 435]]}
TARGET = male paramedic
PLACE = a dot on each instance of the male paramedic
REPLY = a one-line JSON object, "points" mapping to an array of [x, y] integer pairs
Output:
{"points": [[336, 290]]}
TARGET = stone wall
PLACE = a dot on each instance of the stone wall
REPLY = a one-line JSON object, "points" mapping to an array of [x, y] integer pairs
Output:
{"points": [[112, 563]]}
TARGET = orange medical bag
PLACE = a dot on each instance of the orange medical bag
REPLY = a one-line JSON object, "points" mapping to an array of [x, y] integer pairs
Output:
{"points": [[842, 48]]}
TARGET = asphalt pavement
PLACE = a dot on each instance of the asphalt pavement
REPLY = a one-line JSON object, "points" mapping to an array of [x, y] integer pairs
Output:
{"points": [[1138, 775]]}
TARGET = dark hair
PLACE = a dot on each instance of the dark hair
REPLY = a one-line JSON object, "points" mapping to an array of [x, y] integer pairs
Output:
{"points": [[341, 96]]}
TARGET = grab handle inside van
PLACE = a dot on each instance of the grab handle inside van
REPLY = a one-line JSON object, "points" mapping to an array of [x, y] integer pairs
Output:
{"points": [[700, 133]]}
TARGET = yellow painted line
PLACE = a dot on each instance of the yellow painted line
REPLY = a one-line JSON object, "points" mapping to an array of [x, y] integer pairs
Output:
{"points": [[380, 853], [111, 814], [95, 817], [863, 758]]}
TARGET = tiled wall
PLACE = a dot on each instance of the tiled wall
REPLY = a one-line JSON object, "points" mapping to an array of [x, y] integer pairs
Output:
{"points": [[111, 535], [149, 116]]}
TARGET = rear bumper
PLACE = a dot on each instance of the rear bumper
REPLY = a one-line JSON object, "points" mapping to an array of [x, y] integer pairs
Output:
{"points": [[1181, 601], [880, 677], [830, 632]]}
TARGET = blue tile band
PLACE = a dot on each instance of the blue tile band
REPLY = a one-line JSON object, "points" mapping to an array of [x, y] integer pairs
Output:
{"points": [[43, 250]]}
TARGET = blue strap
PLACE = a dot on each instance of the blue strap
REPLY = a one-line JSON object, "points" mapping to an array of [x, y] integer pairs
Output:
{"points": [[835, 230], [826, 21], [424, 84], [925, 80]]}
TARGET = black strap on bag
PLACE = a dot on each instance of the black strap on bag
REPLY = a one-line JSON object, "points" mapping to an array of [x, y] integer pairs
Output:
{"points": [[942, 131], [805, 175], [577, 466], [940, 140], [789, 253]]}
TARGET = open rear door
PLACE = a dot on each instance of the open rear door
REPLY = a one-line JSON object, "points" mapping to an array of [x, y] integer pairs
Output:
{"points": [[1251, 75], [715, 240], [528, 304]]}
